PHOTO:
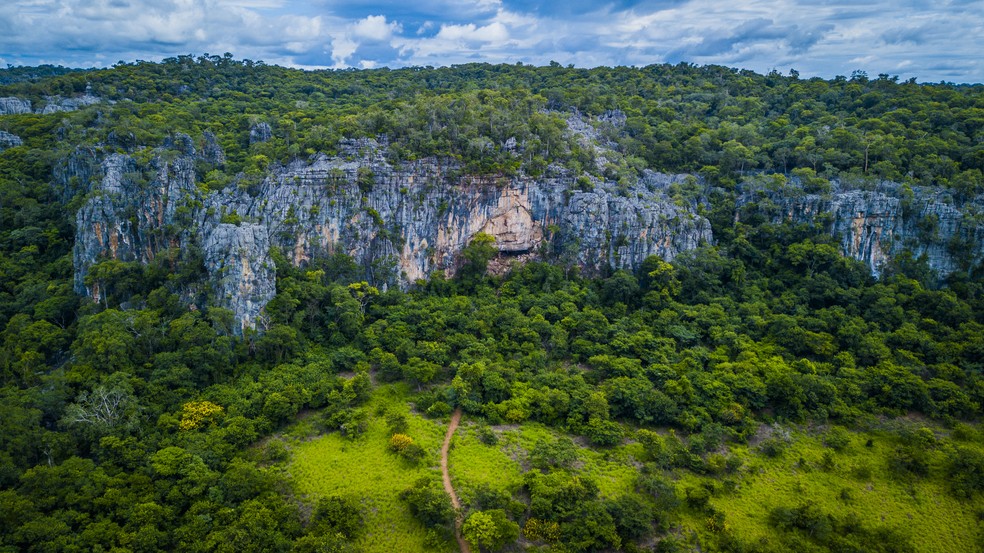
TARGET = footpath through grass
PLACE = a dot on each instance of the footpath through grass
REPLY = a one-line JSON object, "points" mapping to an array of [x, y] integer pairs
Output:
{"points": [[854, 483]]}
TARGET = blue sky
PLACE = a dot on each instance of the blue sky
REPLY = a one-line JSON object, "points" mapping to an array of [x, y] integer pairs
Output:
{"points": [[930, 40]]}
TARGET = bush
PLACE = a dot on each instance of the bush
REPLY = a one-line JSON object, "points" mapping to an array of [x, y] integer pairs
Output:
{"points": [[276, 451], [837, 438], [698, 497], [661, 490], [490, 530], [439, 409], [541, 530], [338, 515], [486, 435], [965, 469], [405, 447], [397, 422], [773, 447], [550, 455], [428, 503], [603, 433]]}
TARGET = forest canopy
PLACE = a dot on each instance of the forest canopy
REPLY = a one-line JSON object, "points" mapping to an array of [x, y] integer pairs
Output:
{"points": [[140, 424]]}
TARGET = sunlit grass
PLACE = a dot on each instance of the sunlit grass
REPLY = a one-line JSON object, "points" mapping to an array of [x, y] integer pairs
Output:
{"points": [[364, 469], [473, 464], [858, 483], [918, 508]]}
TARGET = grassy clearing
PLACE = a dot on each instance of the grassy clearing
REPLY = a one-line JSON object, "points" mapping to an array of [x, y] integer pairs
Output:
{"points": [[363, 468], [613, 470], [473, 464], [858, 485]]}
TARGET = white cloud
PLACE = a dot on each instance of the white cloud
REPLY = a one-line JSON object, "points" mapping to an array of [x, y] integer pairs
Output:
{"points": [[497, 40], [817, 37], [375, 27], [349, 38], [341, 48], [493, 32]]}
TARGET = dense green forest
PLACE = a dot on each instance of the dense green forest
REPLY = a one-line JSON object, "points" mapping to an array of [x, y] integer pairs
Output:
{"points": [[759, 394]]}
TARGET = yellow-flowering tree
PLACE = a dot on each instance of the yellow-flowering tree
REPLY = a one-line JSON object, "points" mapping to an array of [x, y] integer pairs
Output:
{"points": [[196, 414]]}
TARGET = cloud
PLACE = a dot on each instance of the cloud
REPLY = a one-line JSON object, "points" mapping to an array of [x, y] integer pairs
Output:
{"points": [[931, 41], [503, 34], [375, 27], [369, 36]]}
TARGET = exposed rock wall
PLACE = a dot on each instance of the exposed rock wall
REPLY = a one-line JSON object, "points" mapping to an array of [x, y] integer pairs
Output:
{"points": [[400, 224], [876, 225], [53, 104], [8, 140], [13, 106]]}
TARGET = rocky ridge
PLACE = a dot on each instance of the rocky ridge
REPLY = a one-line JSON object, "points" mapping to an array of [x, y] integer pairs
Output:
{"points": [[8, 140], [53, 104], [877, 224], [400, 223]]}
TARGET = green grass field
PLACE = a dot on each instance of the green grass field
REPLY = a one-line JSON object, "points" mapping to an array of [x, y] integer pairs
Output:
{"points": [[857, 484], [365, 469], [500, 466], [473, 463], [920, 509]]}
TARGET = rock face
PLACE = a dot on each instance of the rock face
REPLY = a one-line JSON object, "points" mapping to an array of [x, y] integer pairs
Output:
{"points": [[260, 132], [8, 140], [12, 106], [400, 223], [53, 104], [876, 225], [243, 275]]}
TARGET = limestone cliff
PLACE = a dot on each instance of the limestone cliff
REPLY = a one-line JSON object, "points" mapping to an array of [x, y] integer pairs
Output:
{"points": [[400, 223], [8, 140], [13, 106], [52, 104], [877, 224]]}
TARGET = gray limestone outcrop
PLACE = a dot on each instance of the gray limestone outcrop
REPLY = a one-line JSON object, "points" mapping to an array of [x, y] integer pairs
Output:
{"points": [[878, 224], [8, 140], [260, 132], [400, 223], [13, 106], [243, 275], [52, 104], [55, 104]]}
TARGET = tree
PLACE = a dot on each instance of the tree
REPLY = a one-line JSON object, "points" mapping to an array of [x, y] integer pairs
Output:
{"points": [[561, 453], [107, 408], [196, 414], [363, 293], [489, 530], [477, 254], [419, 371], [428, 503], [338, 515], [404, 446]]}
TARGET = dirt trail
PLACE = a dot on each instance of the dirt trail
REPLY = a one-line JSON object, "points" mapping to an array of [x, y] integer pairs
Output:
{"points": [[446, 477]]}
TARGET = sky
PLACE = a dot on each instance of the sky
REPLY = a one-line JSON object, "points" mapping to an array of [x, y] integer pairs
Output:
{"points": [[929, 40]]}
